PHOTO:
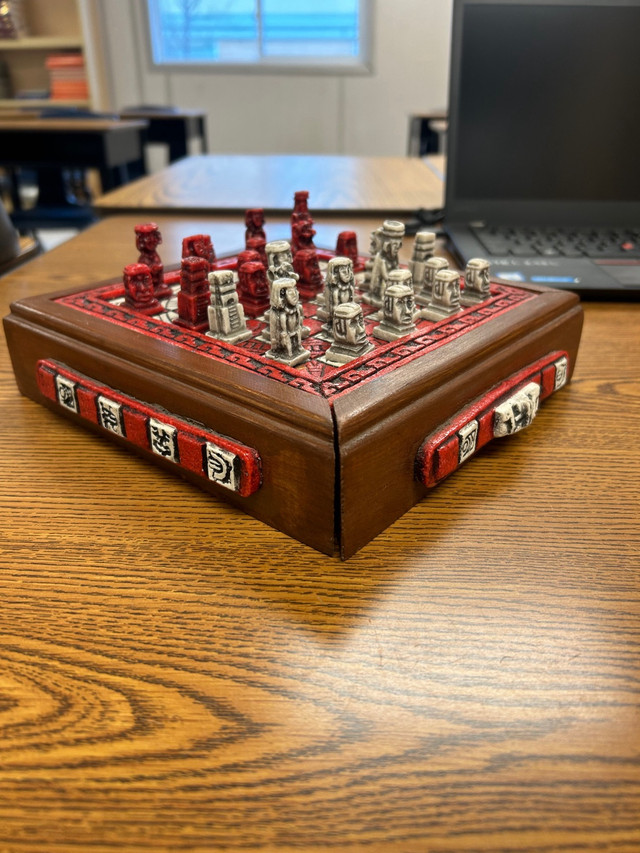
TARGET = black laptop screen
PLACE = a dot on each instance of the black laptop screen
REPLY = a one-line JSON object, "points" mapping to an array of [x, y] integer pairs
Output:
{"points": [[545, 102]]}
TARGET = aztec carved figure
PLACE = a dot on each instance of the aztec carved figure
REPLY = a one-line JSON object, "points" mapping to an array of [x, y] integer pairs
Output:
{"points": [[285, 323], [139, 292], [386, 260], [350, 339]]}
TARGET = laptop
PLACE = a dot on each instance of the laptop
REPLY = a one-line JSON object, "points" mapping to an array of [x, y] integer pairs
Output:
{"points": [[543, 143]]}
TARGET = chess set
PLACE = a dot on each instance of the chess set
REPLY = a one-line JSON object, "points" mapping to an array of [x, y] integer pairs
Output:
{"points": [[322, 391]]}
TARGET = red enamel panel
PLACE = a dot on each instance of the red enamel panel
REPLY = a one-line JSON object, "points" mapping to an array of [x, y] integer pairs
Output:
{"points": [[191, 439], [190, 448], [435, 461], [46, 378], [135, 426]]}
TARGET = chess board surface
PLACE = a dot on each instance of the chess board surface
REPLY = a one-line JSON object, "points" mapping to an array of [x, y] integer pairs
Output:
{"points": [[314, 376]]}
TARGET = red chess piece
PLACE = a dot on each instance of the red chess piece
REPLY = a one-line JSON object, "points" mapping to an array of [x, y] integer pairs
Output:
{"points": [[301, 202], [305, 264], [302, 233], [193, 298], [347, 246], [301, 214], [254, 220], [253, 288], [246, 256], [257, 244], [138, 290], [199, 246], [148, 238]]}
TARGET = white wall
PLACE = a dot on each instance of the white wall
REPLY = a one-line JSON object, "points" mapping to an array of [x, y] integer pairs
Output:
{"points": [[265, 113]]}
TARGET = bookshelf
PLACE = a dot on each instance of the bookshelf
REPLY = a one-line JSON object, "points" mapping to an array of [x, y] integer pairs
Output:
{"points": [[51, 29]]}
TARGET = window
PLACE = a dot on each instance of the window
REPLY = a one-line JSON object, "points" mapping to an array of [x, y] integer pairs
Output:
{"points": [[260, 33]]}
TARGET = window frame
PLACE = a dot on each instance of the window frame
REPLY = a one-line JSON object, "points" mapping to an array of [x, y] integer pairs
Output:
{"points": [[280, 65]]}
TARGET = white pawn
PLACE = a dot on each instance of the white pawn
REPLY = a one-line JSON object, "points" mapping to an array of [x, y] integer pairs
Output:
{"points": [[350, 339], [445, 301], [398, 309], [226, 315], [423, 247], [477, 278], [424, 286]]}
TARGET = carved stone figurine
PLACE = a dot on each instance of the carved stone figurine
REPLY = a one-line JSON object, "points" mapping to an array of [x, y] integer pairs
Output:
{"points": [[445, 300], [226, 314], [339, 287], [285, 323], [307, 267], [302, 233], [248, 255], [350, 339], [398, 308], [148, 238], [193, 298], [375, 243], [253, 288], [279, 260], [254, 221], [139, 293], [347, 246], [300, 214], [424, 290], [280, 265], [477, 279], [199, 246], [257, 244], [385, 261], [423, 247]]}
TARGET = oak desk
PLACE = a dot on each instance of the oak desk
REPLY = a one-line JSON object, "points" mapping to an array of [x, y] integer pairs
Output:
{"points": [[213, 182], [176, 675]]}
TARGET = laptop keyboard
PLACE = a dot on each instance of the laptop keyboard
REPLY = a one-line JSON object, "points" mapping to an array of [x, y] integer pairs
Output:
{"points": [[567, 242]]}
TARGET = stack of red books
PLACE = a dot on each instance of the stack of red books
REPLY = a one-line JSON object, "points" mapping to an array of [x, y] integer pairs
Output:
{"points": [[67, 77]]}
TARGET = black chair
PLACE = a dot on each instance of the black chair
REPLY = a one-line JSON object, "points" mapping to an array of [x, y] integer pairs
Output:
{"points": [[13, 249]]}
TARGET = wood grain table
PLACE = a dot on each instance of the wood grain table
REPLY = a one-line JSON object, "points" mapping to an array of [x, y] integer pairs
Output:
{"points": [[175, 675], [213, 182]]}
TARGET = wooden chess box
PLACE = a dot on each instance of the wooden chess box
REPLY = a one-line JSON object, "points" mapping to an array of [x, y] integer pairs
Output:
{"points": [[329, 455]]}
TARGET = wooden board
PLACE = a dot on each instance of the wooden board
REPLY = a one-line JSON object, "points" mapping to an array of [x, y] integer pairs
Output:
{"points": [[339, 452]]}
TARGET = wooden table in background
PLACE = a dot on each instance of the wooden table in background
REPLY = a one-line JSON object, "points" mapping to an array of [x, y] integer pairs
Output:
{"points": [[109, 145], [203, 183], [177, 676], [174, 127]]}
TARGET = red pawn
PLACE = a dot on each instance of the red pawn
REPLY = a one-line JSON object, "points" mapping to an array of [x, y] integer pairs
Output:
{"points": [[301, 214], [199, 246], [253, 288], [246, 256], [257, 244], [193, 298], [254, 221], [305, 264], [138, 290], [347, 246], [148, 238]]}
